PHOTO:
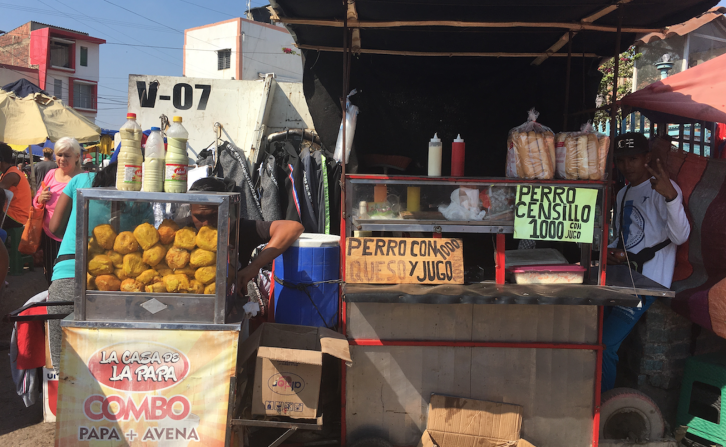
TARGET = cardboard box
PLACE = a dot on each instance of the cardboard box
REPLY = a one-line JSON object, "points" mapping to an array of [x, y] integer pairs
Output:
{"points": [[289, 366], [459, 422]]}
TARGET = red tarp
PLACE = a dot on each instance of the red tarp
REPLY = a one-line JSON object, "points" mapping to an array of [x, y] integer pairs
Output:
{"points": [[693, 95]]}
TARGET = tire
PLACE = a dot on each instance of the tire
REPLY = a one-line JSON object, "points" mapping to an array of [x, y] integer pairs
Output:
{"points": [[372, 442], [628, 413]]}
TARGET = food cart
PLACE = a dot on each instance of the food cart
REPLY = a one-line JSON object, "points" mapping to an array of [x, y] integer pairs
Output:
{"points": [[418, 64], [150, 368]]}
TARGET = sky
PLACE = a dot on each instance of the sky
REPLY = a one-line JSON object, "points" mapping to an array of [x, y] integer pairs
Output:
{"points": [[134, 40], [148, 40]]}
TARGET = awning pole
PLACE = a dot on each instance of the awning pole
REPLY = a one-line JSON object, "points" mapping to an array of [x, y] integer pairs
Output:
{"points": [[567, 81]]}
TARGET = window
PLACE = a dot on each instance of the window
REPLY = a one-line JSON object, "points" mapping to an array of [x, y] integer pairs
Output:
{"points": [[83, 95], [60, 54], [58, 88], [84, 57], [224, 58]]}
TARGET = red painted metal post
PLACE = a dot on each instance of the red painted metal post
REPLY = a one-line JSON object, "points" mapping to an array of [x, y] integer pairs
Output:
{"points": [[598, 379], [473, 344], [500, 273]]}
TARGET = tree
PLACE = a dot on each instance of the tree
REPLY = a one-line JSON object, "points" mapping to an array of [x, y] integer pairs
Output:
{"points": [[625, 82]]}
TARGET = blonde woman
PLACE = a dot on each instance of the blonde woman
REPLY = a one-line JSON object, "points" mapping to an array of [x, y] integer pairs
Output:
{"points": [[68, 158]]}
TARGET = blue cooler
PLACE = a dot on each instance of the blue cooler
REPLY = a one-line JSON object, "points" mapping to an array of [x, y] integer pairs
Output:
{"points": [[312, 258]]}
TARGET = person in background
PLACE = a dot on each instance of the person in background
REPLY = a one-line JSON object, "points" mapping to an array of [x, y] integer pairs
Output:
{"points": [[41, 169], [14, 181], [62, 226], [68, 154], [649, 224], [278, 235]]}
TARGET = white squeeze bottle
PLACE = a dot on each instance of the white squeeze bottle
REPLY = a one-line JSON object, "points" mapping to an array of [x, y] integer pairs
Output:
{"points": [[435, 157], [177, 161], [154, 162], [128, 176]]}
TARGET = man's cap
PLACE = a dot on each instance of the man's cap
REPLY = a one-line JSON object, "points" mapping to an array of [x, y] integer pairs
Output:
{"points": [[631, 143]]}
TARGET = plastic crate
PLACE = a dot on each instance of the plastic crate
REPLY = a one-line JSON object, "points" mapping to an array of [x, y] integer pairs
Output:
{"points": [[701, 405]]}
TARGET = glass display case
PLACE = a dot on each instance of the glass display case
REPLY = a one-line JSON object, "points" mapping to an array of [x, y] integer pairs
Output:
{"points": [[140, 256], [438, 204]]}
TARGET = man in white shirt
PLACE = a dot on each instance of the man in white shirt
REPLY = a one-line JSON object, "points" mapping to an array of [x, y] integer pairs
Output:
{"points": [[649, 224]]}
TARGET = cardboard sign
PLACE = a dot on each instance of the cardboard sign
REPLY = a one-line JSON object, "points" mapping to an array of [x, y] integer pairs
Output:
{"points": [[50, 394], [555, 213], [382, 260], [144, 387]]}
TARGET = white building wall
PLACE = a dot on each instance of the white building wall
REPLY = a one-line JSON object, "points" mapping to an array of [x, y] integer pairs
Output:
{"points": [[90, 73], [263, 51], [200, 50], [262, 46]]}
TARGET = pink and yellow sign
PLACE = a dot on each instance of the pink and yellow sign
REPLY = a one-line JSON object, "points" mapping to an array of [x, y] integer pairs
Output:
{"points": [[144, 387]]}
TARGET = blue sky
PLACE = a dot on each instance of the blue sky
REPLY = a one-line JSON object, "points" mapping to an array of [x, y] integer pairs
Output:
{"points": [[134, 40], [122, 29]]}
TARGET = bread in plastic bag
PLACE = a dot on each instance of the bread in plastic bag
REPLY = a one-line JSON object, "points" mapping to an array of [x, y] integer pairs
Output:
{"points": [[465, 205], [531, 150], [581, 155]]}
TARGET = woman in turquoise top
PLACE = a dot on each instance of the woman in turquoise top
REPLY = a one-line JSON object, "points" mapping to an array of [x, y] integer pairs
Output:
{"points": [[63, 225]]}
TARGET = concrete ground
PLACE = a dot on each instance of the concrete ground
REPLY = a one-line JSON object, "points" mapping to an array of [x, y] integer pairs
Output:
{"points": [[19, 426]]}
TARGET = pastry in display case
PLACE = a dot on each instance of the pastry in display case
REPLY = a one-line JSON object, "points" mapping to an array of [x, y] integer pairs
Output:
{"points": [[141, 246]]}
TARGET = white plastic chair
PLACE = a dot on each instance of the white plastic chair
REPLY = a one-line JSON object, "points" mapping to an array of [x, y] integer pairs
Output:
{"points": [[8, 199]]}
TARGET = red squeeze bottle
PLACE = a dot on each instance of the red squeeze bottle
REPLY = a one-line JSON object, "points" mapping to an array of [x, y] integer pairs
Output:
{"points": [[457, 157]]}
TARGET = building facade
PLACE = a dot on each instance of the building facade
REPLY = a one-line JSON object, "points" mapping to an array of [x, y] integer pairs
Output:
{"points": [[63, 62], [241, 49]]}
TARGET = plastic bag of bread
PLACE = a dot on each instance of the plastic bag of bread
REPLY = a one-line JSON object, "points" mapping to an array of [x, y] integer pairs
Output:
{"points": [[531, 150], [584, 156]]}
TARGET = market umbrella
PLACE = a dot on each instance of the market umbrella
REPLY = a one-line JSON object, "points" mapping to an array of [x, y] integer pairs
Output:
{"points": [[37, 118], [38, 148], [694, 95]]}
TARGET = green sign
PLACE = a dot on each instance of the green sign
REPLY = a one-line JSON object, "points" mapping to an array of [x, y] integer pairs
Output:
{"points": [[554, 213]]}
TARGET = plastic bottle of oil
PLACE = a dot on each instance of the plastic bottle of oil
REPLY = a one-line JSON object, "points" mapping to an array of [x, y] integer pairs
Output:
{"points": [[128, 177], [154, 162], [177, 161]]}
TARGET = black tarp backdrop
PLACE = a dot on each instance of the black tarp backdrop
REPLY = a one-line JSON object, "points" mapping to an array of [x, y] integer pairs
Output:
{"points": [[403, 100]]}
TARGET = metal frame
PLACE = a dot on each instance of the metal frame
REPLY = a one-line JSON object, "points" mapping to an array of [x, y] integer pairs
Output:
{"points": [[187, 308]]}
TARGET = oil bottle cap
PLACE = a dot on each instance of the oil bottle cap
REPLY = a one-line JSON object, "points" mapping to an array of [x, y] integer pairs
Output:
{"points": [[155, 129], [436, 139], [458, 139], [177, 119], [130, 116]]}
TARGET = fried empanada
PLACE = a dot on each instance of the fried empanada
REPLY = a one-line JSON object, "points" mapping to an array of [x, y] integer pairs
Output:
{"points": [[207, 238], [211, 289], [154, 255], [108, 283], [90, 282], [206, 275], [126, 243], [167, 230], [186, 238], [177, 258], [105, 236], [131, 285], [100, 265], [196, 287], [147, 276], [176, 283], [146, 235], [202, 258], [157, 287], [134, 265], [116, 258]]}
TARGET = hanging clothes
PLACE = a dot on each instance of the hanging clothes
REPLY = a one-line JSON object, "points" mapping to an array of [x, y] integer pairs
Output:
{"points": [[289, 174], [232, 164], [311, 173], [323, 196], [269, 190]]}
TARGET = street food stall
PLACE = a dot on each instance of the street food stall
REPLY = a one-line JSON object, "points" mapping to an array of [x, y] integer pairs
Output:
{"points": [[416, 325], [166, 349]]}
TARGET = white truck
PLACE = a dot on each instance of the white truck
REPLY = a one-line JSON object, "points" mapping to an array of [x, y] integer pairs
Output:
{"points": [[248, 111]]}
